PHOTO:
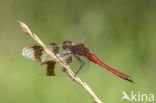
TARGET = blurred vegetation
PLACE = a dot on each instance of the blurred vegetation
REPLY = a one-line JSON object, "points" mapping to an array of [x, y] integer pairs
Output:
{"points": [[121, 32]]}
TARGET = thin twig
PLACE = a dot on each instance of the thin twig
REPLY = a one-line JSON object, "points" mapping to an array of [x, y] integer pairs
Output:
{"points": [[62, 62]]}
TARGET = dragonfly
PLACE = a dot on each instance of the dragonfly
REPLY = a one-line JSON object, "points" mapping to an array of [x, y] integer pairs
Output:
{"points": [[71, 53]]}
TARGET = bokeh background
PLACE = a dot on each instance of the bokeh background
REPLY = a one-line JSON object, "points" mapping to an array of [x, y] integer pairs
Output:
{"points": [[122, 33]]}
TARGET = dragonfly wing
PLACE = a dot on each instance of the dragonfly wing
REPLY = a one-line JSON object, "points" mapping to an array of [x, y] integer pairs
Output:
{"points": [[35, 53], [28, 52], [47, 68], [50, 68]]}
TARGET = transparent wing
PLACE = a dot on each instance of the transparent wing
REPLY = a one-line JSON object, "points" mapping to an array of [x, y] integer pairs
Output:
{"points": [[46, 70], [59, 70], [29, 52]]}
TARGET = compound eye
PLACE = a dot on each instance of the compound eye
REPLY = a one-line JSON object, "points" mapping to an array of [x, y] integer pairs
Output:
{"points": [[66, 45], [67, 42]]}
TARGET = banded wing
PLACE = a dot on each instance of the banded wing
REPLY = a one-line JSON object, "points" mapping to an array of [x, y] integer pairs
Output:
{"points": [[52, 68], [49, 66], [36, 53]]}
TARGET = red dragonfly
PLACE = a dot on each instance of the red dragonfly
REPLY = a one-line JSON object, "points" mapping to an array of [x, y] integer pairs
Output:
{"points": [[70, 53]]}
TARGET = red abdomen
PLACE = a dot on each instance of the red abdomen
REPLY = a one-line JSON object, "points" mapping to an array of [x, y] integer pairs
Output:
{"points": [[94, 59]]}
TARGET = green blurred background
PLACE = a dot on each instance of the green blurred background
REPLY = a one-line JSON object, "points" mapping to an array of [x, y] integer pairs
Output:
{"points": [[122, 33]]}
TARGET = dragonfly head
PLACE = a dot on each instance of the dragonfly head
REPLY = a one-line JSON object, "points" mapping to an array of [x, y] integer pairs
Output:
{"points": [[66, 45]]}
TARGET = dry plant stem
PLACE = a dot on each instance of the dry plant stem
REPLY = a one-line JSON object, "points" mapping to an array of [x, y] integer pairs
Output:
{"points": [[62, 62]]}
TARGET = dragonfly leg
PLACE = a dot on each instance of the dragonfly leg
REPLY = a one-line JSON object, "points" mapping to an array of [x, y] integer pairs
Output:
{"points": [[82, 64]]}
